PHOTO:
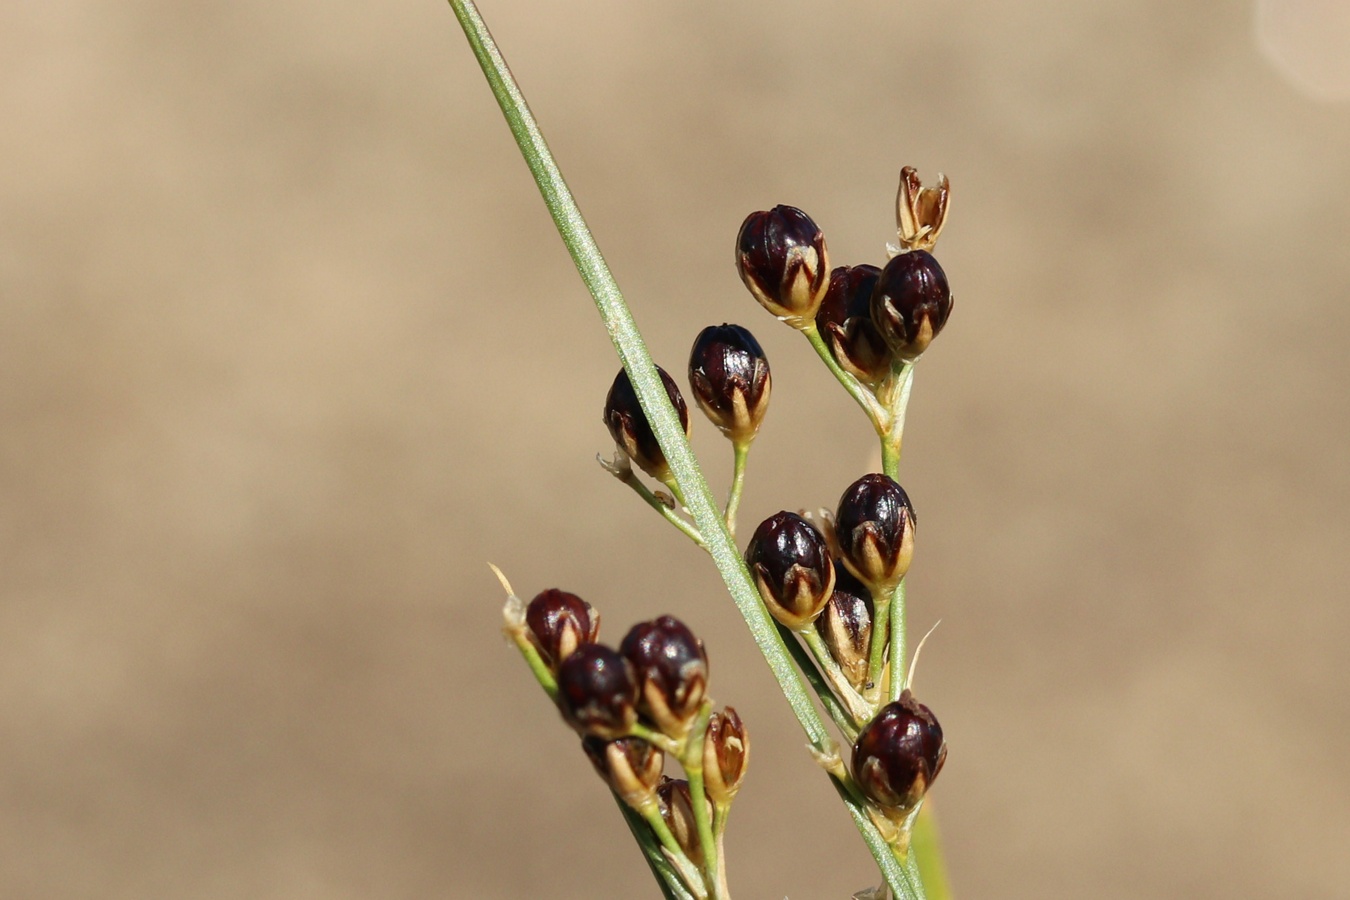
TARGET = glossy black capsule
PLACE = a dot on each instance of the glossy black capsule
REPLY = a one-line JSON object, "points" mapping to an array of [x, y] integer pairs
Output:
{"points": [[791, 563], [558, 623], [899, 754], [597, 693], [911, 302], [845, 321], [874, 526], [729, 376], [671, 668], [782, 258], [628, 424]]}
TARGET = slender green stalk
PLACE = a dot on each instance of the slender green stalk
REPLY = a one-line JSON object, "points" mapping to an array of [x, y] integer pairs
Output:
{"points": [[672, 887], [742, 451], [925, 848], [649, 497], [894, 434], [898, 679], [856, 389], [661, 413], [692, 763], [881, 631]]}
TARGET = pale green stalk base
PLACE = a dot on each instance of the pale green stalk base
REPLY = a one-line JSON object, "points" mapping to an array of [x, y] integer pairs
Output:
{"points": [[664, 421]]}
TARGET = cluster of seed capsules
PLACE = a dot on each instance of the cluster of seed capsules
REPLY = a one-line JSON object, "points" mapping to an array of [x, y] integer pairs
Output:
{"points": [[633, 706], [832, 581]]}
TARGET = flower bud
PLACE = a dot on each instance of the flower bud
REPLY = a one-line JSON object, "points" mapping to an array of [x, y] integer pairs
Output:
{"points": [[782, 259], [630, 766], [911, 303], [726, 754], [845, 321], [558, 623], [597, 693], [875, 530], [920, 212], [677, 808], [846, 626], [791, 564], [898, 754], [729, 375], [628, 424], [671, 668]]}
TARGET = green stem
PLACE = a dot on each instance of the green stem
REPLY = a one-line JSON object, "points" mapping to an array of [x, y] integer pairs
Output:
{"points": [[649, 497], [656, 404], [841, 717], [692, 763], [898, 675], [897, 406], [742, 451], [672, 886], [858, 708], [881, 629], [856, 389], [925, 848]]}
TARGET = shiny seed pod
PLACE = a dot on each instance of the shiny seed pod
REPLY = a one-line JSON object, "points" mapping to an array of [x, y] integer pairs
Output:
{"points": [[782, 259], [628, 424], [845, 321], [558, 623], [846, 626], [597, 693], [875, 530], [726, 755], [899, 754], [729, 375], [920, 212], [792, 567], [677, 808], [630, 766], [911, 303], [671, 668]]}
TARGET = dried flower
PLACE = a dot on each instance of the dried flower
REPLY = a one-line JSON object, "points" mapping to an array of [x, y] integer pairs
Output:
{"points": [[920, 212], [846, 626], [726, 755], [630, 766]]}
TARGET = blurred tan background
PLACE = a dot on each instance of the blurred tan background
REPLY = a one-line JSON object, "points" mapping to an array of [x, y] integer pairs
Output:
{"points": [[289, 350]]}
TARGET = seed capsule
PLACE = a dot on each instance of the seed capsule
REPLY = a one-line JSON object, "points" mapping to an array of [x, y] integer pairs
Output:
{"points": [[791, 564], [671, 668], [558, 623], [628, 424], [875, 530], [846, 626], [782, 259], [911, 303], [677, 808], [630, 766], [845, 321], [597, 694], [726, 754], [899, 754], [729, 375]]}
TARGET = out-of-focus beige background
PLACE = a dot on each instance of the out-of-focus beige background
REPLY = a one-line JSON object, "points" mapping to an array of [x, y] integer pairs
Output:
{"points": [[289, 350]]}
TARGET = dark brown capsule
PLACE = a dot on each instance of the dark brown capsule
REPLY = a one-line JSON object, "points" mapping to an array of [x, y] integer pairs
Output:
{"points": [[911, 302], [671, 668], [875, 530], [628, 424], [630, 766], [782, 259], [726, 755], [597, 693], [899, 754], [677, 808], [845, 321], [846, 626], [558, 623], [792, 567], [729, 375]]}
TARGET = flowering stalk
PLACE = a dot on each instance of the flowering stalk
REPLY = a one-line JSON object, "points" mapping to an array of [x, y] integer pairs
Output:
{"points": [[902, 879]]}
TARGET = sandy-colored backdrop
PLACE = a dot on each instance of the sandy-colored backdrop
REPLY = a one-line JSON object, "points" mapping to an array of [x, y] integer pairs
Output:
{"points": [[289, 351]]}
